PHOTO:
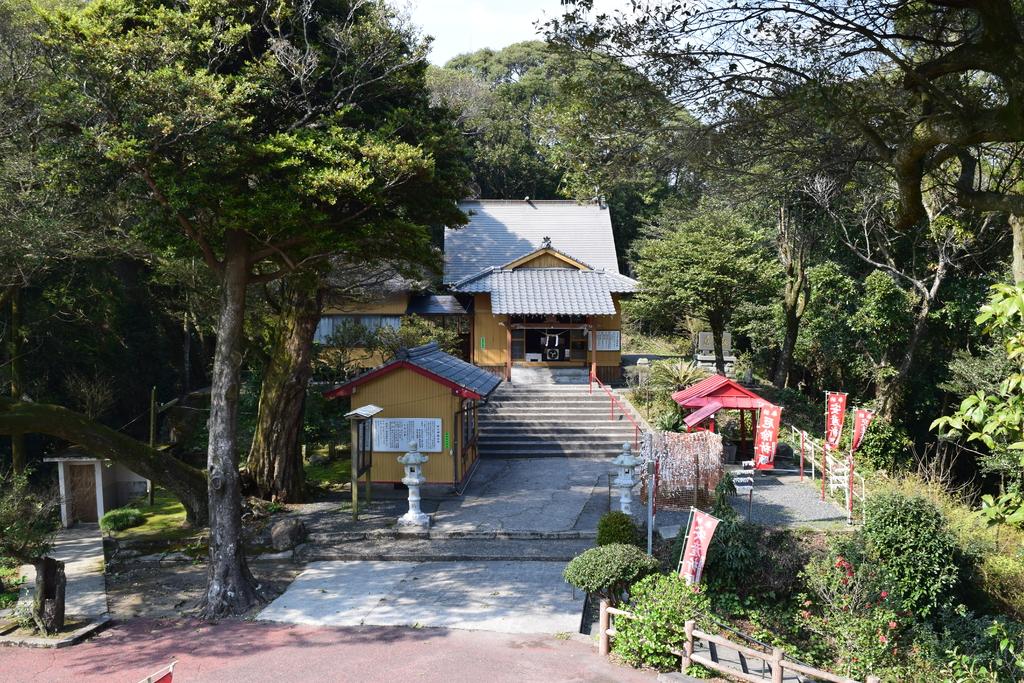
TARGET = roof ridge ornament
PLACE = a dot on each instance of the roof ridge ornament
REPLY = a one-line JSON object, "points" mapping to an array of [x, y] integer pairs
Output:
{"points": [[545, 242]]}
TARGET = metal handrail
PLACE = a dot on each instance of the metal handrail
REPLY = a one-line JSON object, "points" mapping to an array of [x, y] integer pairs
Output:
{"points": [[616, 403]]}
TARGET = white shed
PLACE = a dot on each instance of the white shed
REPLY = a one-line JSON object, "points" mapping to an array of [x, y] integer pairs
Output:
{"points": [[90, 487]]}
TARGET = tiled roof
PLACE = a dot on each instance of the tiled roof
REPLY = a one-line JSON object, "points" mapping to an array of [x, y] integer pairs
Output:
{"points": [[549, 291], [500, 231], [433, 362], [431, 358]]}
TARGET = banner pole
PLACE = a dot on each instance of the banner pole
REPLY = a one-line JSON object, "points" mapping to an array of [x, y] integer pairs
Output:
{"points": [[682, 553], [849, 486]]}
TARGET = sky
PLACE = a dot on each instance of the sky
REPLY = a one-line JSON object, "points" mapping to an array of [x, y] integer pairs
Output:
{"points": [[460, 26]]}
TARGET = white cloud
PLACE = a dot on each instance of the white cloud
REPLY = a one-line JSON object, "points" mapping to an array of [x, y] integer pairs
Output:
{"points": [[460, 26]]}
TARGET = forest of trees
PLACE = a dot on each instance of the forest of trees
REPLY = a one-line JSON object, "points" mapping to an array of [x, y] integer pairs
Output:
{"points": [[182, 187]]}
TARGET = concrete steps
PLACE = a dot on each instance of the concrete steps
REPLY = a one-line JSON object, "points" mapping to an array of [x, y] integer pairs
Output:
{"points": [[551, 420]]}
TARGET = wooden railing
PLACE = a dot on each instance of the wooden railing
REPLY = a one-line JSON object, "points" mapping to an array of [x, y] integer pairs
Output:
{"points": [[775, 660], [835, 474], [616, 403]]}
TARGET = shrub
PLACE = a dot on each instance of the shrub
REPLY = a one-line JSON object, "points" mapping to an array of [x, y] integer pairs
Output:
{"points": [[120, 519], [885, 447], [617, 527], [664, 603], [850, 607], [915, 548], [608, 571], [1001, 578]]}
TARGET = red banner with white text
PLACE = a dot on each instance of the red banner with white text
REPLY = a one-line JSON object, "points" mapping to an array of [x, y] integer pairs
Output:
{"points": [[766, 439], [691, 563], [861, 419], [835, 414]]}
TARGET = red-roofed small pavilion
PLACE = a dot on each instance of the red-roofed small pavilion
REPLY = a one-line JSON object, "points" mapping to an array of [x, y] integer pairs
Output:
{"points": [[715, 393]]}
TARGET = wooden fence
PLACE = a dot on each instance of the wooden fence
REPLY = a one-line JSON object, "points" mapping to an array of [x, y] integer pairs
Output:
{"points": [[775, 660]]}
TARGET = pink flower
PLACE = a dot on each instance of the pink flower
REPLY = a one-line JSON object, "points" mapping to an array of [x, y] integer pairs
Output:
{"points": [[885, 594], [892, 624], [882, 639]]}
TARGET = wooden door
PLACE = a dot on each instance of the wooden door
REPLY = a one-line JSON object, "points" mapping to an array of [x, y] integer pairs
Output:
{"points": [[83, 493]]}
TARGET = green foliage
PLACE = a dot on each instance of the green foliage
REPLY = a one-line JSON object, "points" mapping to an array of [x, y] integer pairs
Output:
{"points": [[416, 331], [851, 607], [617, 527], [995, 656], [324, 420], [608, 571], [885, 447], [1001, 580], [28, 519], [995, 418], [664, 603], [915, 549], [700, 264], [121, 519]]}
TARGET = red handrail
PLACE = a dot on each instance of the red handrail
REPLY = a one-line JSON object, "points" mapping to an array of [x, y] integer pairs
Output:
{"points": [[616, 403]]}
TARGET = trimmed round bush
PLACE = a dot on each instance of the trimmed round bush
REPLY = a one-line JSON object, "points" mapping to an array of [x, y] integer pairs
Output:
{"points": [[617, 527], [915, 549], [608, 571], [663, 603], [120, 519]]}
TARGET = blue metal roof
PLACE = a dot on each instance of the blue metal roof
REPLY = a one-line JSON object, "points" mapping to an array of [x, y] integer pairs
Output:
{"points": [[434, 304], [431, 358]]}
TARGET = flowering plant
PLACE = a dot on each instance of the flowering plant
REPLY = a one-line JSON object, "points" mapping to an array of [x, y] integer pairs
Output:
{"points": [[848, 605]]}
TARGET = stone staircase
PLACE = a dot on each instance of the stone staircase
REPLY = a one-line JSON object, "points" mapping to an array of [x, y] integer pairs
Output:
{"points": [[551, 421]]}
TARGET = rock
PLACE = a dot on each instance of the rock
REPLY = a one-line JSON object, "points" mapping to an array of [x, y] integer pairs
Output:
{"points": [[317, 459], [287, 533]]}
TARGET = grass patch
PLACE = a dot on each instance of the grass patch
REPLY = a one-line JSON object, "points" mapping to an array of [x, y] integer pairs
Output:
{"points": [[121, 519], [11, 583], [332, 472], [164, 521]]}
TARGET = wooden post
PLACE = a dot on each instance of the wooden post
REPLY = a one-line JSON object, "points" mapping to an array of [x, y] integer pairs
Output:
{"points": [[508, 351], [152, 438], [604, 623], [777, 665], [354, 456], [593, 351], [688, 645]]}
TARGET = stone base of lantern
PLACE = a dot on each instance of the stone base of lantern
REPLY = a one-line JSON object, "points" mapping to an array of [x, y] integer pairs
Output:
{"points": [[418, 520]]}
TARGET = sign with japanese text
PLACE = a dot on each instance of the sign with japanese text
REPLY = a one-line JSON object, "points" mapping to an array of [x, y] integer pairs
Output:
{"points": [[835, 414], [394, 434], [691, 563], [766, 439], [861, 419]]}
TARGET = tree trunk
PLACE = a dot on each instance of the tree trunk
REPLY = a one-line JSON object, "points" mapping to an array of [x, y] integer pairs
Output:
{"points": [[794, 302], [1017, 228], [890, 392], [717, 331], [230, 588], [17, 369], [275, 460], [48, 599], [187, 483]]}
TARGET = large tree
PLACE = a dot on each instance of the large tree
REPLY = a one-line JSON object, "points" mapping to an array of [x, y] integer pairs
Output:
{"points": [[701, 264], [265, 137], [922, 86]]}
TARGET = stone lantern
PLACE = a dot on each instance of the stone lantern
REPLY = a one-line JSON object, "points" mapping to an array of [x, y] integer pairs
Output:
{"points": [[626, 463], [413, 461]]}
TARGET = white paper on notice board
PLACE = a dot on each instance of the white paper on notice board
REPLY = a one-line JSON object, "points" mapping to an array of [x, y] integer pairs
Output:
{"points": [[393, 434]]}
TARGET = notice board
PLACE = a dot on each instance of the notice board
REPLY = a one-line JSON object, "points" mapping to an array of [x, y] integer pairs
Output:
{"points": [[607, 340], [393, 434]]}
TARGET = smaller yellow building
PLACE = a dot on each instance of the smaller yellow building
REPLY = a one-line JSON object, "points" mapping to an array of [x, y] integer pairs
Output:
{"points": [[428, 396]]}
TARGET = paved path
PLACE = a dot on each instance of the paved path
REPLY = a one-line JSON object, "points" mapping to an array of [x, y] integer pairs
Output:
{"points": [[81, 550], [244, 652], [507, 596], [779, 500], [535, 494]]}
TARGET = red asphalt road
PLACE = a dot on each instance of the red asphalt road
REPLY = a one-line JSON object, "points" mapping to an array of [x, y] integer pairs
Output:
{"points": [[245, 651]]}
